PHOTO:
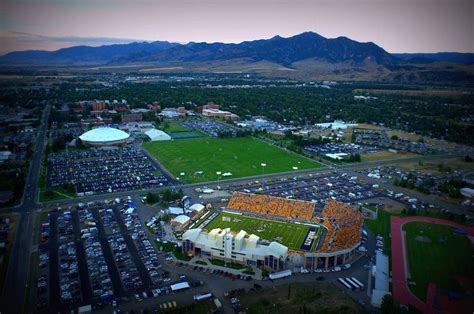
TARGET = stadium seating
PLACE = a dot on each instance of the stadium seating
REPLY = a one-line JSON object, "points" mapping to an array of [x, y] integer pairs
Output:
{"points": [[343, 223], [271, 206]]}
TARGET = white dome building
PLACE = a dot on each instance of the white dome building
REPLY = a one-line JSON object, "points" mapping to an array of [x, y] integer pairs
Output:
{"points": [[105, 136]]}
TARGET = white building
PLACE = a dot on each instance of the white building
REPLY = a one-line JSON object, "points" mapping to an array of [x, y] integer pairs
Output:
{"points": [[157, 135], [105, 136], [336, 125], [382, 279], [238, 248], [337, 156]]}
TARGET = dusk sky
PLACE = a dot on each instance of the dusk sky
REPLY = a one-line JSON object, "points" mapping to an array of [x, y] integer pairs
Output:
{"points": [[395, 25]]}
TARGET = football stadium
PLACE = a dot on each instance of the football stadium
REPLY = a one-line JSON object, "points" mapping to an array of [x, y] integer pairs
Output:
{"points": [[277, 233]]}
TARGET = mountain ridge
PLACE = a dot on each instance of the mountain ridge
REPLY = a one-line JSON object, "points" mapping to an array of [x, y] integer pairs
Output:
{"points": [[276, 49]]}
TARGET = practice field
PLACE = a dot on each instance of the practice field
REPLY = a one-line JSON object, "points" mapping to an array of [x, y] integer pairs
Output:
{"points": [[289, 234], [199, 159], [437, 255]]}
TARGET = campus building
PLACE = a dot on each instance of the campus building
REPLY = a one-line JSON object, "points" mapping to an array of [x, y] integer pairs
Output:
{"points": [[237, 248], [105, 136]]}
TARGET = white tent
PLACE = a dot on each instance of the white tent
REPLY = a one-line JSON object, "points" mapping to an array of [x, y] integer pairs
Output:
{"points": [[157, 135], [179, 286], [175, 210], [197, 207], [181, 219]]}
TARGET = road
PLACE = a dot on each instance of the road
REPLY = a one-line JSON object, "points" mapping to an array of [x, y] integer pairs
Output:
{"points": [[13, 294], [17, 274]]}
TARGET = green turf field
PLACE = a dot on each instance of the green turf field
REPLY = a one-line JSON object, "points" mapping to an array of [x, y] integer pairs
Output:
{"points": [[240, 156], [289, 234], [381, 226], [173, 127], [437, 255]]}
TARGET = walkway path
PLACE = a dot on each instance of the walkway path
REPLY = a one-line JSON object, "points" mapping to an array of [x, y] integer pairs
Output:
{"points": [[400, 263]]}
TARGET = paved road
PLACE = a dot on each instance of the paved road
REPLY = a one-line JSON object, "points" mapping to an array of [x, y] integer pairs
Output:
{"points": [[14, 292], [16, 279], [224, 183]]}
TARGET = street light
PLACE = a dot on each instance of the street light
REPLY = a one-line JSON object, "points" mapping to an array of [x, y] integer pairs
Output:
{"points": [[218, 176], [294, 185], [263, 171]]}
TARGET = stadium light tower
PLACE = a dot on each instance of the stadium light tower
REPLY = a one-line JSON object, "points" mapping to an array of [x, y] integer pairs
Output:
{"points": [[263, 171], [218, 177], [294, 185]]}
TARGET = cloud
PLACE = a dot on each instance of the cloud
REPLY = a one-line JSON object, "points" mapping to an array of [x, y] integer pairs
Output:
{"points": [[18, 41]]}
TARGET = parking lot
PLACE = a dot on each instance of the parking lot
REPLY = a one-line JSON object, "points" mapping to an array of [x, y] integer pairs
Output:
{"points": [[312, 188], [103, 171], [98, 254], [334, 148], [210, 127]]}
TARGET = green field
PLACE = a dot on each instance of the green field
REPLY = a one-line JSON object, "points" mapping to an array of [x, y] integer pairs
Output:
{"points": [[437, 255], [381, 226], [288, 234], [240, 156], [173, 127]]}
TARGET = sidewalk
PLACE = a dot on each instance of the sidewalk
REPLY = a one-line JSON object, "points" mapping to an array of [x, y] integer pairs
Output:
{"points": [[211, 267]]}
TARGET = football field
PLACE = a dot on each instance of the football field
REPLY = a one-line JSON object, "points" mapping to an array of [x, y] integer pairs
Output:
{"points": [[437, 255], [198, 159], [289, 234]]}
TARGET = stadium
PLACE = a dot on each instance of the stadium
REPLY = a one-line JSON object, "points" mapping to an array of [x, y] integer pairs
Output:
{"points": [[277, 233], [105, 136]]}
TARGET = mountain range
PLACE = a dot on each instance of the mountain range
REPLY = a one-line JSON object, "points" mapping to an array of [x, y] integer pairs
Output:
{"points": [[306, 55]]}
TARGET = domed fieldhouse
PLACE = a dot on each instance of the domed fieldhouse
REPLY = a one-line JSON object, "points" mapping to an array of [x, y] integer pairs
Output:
{"points": [[105, 136]]}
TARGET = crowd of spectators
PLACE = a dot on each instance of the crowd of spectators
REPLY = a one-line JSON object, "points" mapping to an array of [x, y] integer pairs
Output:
{"points": [[101, 171], [343, 223], [272, 206]]}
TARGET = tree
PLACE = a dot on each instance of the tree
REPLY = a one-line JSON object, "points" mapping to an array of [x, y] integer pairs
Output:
{"points": [[167, 196], [389, 306], [151, 198]]}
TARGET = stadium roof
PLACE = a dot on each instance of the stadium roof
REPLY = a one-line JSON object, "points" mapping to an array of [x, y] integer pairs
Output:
{"points": [[103, 135]]}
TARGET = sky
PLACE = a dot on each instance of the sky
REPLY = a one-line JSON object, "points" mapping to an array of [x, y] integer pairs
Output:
{"points": [[395, 25]]}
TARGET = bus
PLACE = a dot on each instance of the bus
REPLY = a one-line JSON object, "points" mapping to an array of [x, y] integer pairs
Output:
{"points": [[352, 283], [358, 282], [344, 283]]}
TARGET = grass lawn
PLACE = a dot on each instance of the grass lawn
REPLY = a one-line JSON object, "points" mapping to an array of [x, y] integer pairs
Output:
{"points": [[221, 263], [240, 156], [170, 247], [314, 297], [54, 195], [288, 234], [385, 154], [437, 255], [172, 127], [381, 226]]}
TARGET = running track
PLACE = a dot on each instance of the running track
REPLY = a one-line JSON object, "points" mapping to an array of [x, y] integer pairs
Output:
{"points": [[401, 292]]}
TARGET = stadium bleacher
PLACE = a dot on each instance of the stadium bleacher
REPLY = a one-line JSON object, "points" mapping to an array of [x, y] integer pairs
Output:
{"points": [[272, 206], [342, 221]]}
